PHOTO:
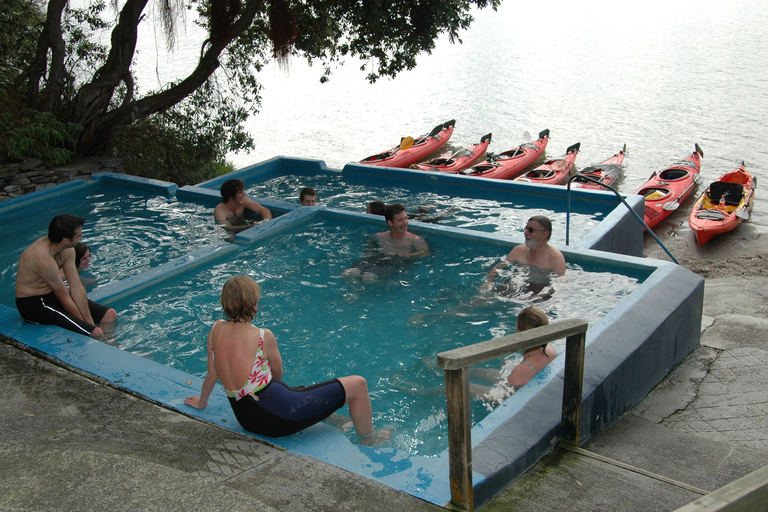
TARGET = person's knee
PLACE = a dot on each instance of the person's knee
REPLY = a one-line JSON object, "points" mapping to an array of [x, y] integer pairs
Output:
{"points": [[97, 333], [110, 316]]}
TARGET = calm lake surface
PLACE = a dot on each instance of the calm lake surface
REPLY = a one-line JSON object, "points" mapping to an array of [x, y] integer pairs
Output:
{"points": [[658, 76]]}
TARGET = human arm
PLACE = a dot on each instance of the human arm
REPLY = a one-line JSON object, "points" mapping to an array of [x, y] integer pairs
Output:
{"points": [[272, 353], [76, 289], [255, 207], [201, 402]]}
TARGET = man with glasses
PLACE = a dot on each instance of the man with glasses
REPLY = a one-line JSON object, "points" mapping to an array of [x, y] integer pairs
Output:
{"points": [[536, 252], [42, 297]]}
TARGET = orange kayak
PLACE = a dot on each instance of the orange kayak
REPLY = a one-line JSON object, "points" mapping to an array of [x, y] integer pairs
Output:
{"points": [[420, 148], [606, 172], [726, 203], [455, 161], [554, 171], [664, 191], [510, 163]]}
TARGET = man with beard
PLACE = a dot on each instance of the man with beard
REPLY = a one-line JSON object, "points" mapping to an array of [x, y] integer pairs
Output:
{"points": [[542, 257]]}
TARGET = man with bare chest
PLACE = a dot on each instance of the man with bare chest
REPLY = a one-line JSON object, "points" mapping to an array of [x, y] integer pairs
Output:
{"points": [[42, 296], [392, 248]]}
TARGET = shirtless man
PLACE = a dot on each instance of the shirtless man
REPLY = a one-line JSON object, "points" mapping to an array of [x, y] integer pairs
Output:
{"points": [[42, 297], [230, 213], [392, 248], [536, 252], [307, 197]]}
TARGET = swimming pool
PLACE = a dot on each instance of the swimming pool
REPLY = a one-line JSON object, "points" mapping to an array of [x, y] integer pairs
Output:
{"points": [[630, 349], [317, 316]]}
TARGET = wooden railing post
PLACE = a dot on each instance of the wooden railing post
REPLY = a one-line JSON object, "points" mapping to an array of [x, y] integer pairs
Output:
{"points": [[459, 413], [456, 364], [573, 383]]}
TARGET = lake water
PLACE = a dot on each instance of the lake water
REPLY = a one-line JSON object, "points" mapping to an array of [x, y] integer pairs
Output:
{"points": [[658, 76]]}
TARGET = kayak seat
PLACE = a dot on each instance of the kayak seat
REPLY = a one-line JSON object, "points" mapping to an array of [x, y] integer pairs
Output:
{"points": [[673, 174], [540, 174], [731, 192]]}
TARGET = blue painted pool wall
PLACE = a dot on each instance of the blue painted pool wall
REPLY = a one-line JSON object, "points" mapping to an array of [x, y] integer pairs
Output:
{"points": [[269, 169], [628, 353], [45, 194], [619, 232], [165, 188]]}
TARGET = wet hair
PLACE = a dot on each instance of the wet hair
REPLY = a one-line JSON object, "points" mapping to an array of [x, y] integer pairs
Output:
{"points": [[64, 226], [240, 298], [544, 222], [230, 188], [80, 250], [377, 207], [306, 191], [530, 318], [392, 210]]}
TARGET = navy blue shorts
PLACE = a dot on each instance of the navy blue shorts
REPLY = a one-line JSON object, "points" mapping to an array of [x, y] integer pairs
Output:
{"points": [[46, 309], [280, 410]]}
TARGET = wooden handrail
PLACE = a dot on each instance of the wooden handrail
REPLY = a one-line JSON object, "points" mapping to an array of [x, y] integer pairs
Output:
{"points": [[456, 364]]}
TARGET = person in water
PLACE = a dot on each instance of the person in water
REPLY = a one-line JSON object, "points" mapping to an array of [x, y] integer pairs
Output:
{"points": [[422, 213], [307, 197], [247, 362], [42, 296], [82, 261], [534, 360], [230, 213], [540, 257], [391, 249]]}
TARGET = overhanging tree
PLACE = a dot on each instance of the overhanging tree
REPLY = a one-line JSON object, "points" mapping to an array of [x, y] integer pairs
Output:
{"points": [[84, 84]]}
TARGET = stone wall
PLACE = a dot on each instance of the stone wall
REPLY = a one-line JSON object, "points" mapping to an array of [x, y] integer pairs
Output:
{"points": [[32, 175]]}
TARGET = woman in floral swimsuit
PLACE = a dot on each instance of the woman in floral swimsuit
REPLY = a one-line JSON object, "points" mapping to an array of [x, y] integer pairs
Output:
{"points": [[247, 361]]}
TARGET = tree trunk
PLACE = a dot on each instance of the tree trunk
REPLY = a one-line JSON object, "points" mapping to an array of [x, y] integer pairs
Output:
{"points": [[102, 126]]}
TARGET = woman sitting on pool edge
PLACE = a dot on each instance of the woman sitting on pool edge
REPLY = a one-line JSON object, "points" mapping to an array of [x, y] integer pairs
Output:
{"points": [[240, 353]]}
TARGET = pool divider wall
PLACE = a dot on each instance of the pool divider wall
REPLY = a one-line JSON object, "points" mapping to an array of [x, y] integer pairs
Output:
{"points": [[615, 233], [628, 353], [209, 197]]}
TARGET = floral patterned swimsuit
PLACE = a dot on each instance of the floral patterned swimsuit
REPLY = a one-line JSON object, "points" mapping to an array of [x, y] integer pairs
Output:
{"points": [[269, 407], [260, 376]]}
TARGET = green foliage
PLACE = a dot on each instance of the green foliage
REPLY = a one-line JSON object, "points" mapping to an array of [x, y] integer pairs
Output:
{"points": [[35, 134], [187, 144]]}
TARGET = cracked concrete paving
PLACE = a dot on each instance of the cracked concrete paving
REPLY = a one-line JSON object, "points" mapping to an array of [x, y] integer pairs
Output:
{"points": [[705, 425]]}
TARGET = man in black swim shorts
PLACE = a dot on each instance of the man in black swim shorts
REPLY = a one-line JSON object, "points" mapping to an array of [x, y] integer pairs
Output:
{"points": [[42, 297]]}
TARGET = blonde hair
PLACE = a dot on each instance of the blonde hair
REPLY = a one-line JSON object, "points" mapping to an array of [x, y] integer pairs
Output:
{"points": [[530, 318], [240, 298]]}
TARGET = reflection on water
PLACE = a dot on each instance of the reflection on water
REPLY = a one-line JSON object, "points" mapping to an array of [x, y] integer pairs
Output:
{"points": [[328, 328]]}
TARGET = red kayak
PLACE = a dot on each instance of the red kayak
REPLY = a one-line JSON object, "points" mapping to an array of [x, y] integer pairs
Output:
{"points": [[665, 191], [510, 163], [726, 204], [606, 172], [408, 153], [554, 171], [457, 160]]}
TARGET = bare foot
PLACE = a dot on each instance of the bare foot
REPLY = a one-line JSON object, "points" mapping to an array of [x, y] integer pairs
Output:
{"points": [[375, 437]]}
